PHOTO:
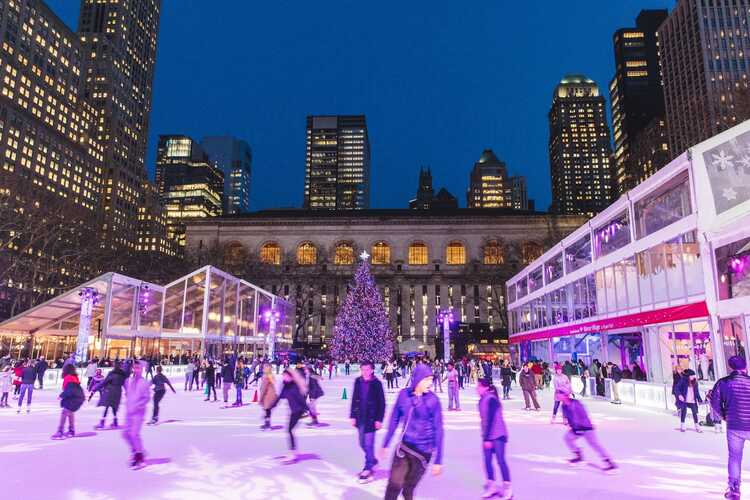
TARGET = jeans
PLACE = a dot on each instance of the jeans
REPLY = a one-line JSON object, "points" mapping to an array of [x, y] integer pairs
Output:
{"points": [[406, 471], [293, 419], [4, 399], [40, 379], [530, 395], [195, 379], [453, 402], [70, 417], [132, 432], [498, 450], [555, 408], [210, 388], [25, 389], [158, 395], [238, 387], [225, 391], [736, 444], [367, 443], [506, 391], [590, 437], [188, 380], [693, 409]]}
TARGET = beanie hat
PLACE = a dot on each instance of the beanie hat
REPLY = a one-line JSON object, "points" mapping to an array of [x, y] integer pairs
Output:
{"points": [[737, 363]]}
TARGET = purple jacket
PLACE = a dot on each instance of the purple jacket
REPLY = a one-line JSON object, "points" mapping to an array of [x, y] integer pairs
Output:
{"points": [[575, 414], [491, 413], [730, 398], [422, 416]]}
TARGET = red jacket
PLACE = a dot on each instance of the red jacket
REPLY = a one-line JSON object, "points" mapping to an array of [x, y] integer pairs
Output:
{"points": [[17, 372], [70, 378], [536, 369]]}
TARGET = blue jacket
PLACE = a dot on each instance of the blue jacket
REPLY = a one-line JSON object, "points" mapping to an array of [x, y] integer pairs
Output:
{"points": [[374, 407], [730, 398], [682, 389], [575, 413], [422, 416]]}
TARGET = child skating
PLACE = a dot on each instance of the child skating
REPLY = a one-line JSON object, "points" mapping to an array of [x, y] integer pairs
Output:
{"points": [[71, 399], [581, 426]]}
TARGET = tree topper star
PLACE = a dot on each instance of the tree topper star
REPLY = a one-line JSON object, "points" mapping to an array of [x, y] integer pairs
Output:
{"points": [[364, 255]]}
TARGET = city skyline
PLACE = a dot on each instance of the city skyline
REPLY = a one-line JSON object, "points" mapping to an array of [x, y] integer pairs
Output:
{"points": [[268, 111]]}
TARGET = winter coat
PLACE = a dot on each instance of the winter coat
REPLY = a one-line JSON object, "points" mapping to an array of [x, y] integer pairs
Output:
{"points": [[41, 367], [91, 369], [17, 372], [731, 399], [111, 388], [452, 377], [67, 379], [314, 391], [138, 392], [682, 389], [422, 416], [615, 373], [5, 381], [575, 413], [506, 372], [28, 375], [562, 386], [294, 396], [160, 381], [227, 374], [527, 381], [491, 414], [267, 393], [72, 397], [239, 376], [374, 407], [210, 375]]}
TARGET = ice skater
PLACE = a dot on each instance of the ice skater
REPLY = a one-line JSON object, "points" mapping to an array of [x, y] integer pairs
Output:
{"points": [[110, 390], [581, 426], [71, 399], [421, 438], [94, 382], [239, 382], [527, 381], [210, 379], [6, 375], [314, 392], [137, 395], [366, 413], [507, 376], [28, 376], [267, 395], [688, 396], [159, 381], [452, 377], [294, 391], [494, 438], [562, 386]]}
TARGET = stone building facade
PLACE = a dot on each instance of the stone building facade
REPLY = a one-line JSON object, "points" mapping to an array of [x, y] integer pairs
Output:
{"points": [[422, 262]]}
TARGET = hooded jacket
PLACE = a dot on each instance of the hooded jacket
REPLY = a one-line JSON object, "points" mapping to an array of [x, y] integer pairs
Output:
{"points": [[730, 398], [422, 416]]}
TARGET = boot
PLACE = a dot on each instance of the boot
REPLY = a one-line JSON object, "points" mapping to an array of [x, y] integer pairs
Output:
{"points": [[733, 492], [577, 459], [682, 427], [698, 429], [71, 433], [507, 492], [609, 466], [58, 435], [490, 489], [114, 424], [100, 425]]}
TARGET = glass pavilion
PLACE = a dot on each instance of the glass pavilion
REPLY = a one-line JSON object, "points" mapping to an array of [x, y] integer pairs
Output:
{"points": [[206, 312]]}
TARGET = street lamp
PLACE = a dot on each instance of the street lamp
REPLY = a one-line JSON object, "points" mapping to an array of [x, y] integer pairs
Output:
{"points": [[445, 317], [272, 316]]}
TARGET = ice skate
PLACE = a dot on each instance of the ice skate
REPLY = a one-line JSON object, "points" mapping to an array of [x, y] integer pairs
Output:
{"points": [[732, 493], [71, 433], [577, 459], [490, 489], [365, 477], [137, 462], [609, 467], [99, 426], [288, 459], [58, 435], [507, 491]]}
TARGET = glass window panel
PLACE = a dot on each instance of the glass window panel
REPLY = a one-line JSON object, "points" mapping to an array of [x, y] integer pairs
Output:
{"points": [[121, 310], [246, 324], [644, 278], [612, 236], [578, 254], [626, 351], [531, 251], [193, 319], [344, 254], [418, 254], [522, 288], [493, 253], [733, 269], [553, 268], [307, 254], [173, 308], [511, 293], [591, 294], [657, 269], [621, 287], [601, 294], [734, 339], [215, 302], [264, 304], [150, 307], [631, 277], [674, 345], [535, 279], [381, 253], [609, 285], [270, 253], [230, 309], [665, 206], [673, 268], [455, 253], [703, 353], [691, 263]]}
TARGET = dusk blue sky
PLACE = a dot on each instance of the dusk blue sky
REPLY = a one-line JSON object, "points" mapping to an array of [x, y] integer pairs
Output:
{"points": [[439, 81]]}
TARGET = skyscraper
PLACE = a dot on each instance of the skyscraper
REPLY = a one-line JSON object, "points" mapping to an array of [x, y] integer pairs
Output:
{"points": [[579, 148], [636, 95], [490, 186], [337, 163], [704, 57], [189, 183], [234, 157], [119, 44], [425, 192]]}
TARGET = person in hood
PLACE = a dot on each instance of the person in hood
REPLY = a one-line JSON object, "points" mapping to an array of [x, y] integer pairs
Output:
{"points": [[688, 396], [71, 399], [421, 435], [294, 390], [6, 376], [581, 426], [138, 394]]}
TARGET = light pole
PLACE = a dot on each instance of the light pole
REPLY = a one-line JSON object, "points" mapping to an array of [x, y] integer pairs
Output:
{"points": [[89, 298], [272, 316], [446, 318]]}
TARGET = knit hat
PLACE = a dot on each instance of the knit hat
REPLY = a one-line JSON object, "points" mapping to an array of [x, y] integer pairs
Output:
{"points": [[737, 363], [688, 373]]}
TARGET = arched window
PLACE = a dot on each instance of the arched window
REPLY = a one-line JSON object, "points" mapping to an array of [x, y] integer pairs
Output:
{"points": [[234, 253], [270, 253], [455, 253], [344, 254], [418, 254], [307, 254], [531, 251], [493, 253], [381, 253]]}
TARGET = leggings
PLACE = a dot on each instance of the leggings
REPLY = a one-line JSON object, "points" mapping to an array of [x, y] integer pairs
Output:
{"points": [[693, 408], [293, 419], [498, 450], [555, 408], [407, 470], [4, 399], [114, 411], [211, 388], [506, 390]]}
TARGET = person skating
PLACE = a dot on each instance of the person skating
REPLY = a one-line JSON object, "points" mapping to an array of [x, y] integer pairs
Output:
{"points": [[159, 381], [28, 376], [688, 396], [506, 375], [366, 413], [110, 390], [189, 377], [421, 437], [210, 377], [615, 374], [294, 391], [452, 376], [41, 368], [6, 376], [731, 399], [239, 382], [581, 426], [227, 378], [94, 382], [137, 394], [527, 381], [71, 399], [562, 386], [267, 396], [90, 372], [494, 438], [314, 392]]}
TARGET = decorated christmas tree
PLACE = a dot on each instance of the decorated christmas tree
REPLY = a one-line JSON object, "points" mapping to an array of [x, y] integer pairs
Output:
{"points": [[362, 332]]}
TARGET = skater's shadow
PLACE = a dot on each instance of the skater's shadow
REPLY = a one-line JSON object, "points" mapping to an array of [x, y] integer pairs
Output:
{"points": [[85, 434], [380, 474], [157, 461], [321, 424], [171, 421], [302, 457], [276, 427]]}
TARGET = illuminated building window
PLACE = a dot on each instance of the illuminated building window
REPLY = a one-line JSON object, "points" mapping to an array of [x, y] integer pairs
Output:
{"points": [[493, 253], [418, 254], [270, 253], [381, 253], [455, 254], [344, 254], [307, 254], [531, 251]]}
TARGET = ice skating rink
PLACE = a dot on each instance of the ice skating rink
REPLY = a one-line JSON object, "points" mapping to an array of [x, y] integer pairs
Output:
{"points": [[201, 450]]}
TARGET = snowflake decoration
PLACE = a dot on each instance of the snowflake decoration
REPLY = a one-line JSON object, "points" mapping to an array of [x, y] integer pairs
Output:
{"points": [[745, 162], [722, 161], [729, 194]]}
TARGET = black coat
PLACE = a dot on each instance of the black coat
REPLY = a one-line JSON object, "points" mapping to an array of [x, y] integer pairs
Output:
{"points": [[313, 388], [72, 397], [111, 388], [290, 391], [374, 407], [507, 373]]}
